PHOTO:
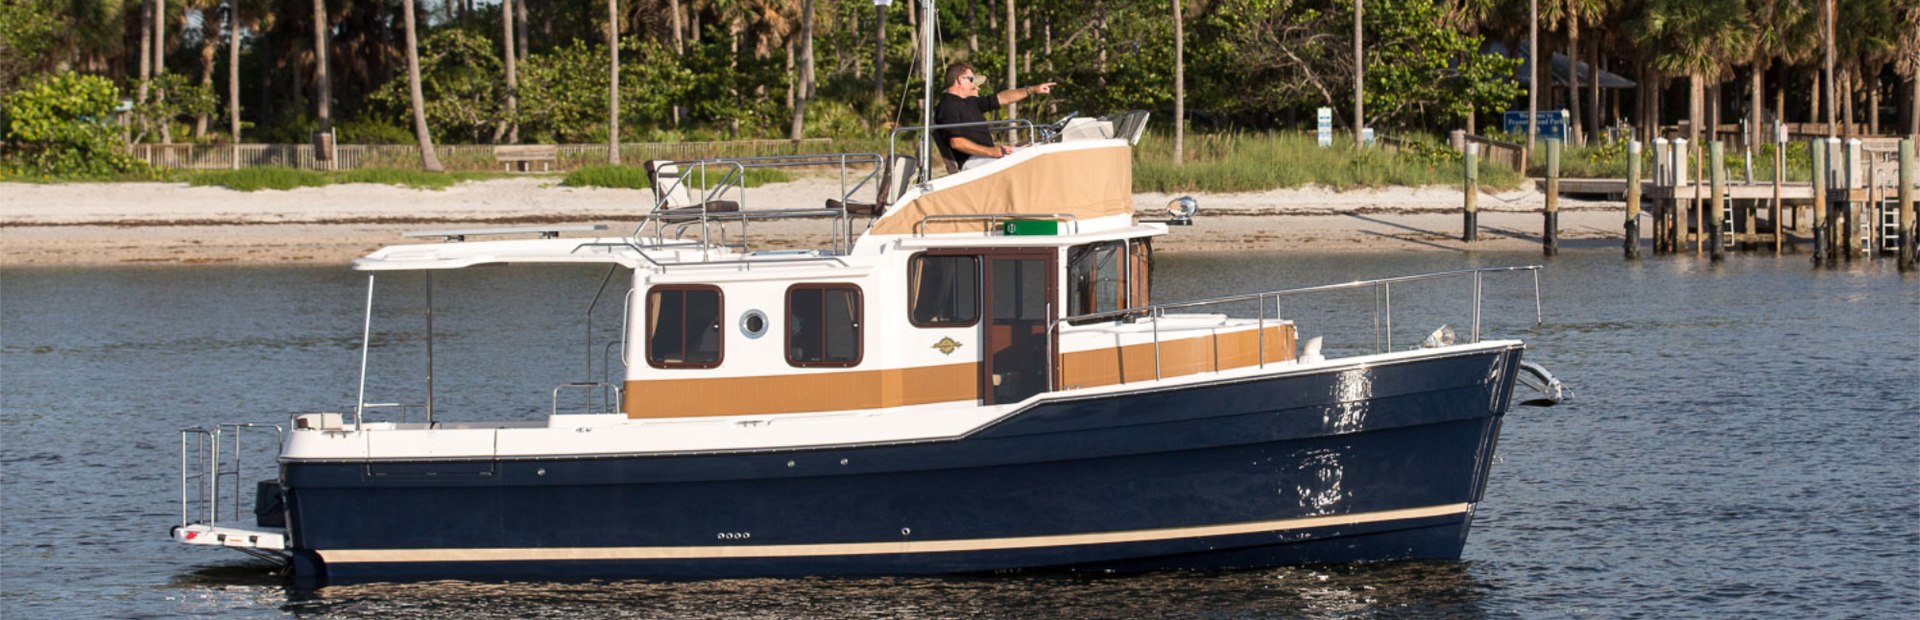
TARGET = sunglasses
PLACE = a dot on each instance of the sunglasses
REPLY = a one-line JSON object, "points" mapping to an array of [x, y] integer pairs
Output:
{"points": [[975, 79]]}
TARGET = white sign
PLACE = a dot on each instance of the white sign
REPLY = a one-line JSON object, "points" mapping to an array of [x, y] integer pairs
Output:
{"points": [[1326, 127]]}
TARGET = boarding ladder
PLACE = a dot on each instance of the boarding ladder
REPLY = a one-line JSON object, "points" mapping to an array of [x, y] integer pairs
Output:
{"points": [[212, 461]]}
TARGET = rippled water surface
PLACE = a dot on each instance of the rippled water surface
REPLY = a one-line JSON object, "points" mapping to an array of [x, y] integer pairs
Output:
{"points": [[1743, 443]]}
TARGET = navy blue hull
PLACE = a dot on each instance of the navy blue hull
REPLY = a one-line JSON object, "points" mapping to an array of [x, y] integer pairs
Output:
{"points": [[1373, 463]]}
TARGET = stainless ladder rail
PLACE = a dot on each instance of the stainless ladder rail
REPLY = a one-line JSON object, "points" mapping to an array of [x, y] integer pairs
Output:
{"points": [[210, 466], [1383, 308]]}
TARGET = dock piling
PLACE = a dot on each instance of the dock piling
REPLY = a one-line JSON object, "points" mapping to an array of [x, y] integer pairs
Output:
{"points": [[1662, 202], [1716, 212], [1469, 228], [1550, 238], [1632, 243], [1779, 176], [1853, 178], [1907, 241], [1818, 148]]}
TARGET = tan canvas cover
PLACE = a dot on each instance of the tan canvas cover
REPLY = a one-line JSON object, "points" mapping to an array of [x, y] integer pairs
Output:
{"points": [[1084, 182]]}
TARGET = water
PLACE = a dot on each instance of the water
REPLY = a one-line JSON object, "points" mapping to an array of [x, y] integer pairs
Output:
{"points": [[1742, 443]]}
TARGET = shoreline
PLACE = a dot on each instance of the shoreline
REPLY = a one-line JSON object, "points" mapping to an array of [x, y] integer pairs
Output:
{"points": [[101, 224]]}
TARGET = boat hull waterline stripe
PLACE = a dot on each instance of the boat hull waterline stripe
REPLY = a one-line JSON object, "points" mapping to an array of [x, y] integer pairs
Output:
{"points": [[874, 548]]}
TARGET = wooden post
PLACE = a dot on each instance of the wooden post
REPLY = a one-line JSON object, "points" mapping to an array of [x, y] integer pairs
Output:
{"points": [[1662, 159], [1716, 215], [1699, 208], [1779, 175], [1632, 244], [1469, 230], [1550, 238], [1907, 249], [1819, 156], [1851, 180]]}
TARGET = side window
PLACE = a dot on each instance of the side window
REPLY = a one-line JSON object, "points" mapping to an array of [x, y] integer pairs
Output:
{"points": [[823, 325], [1094, 277], [943, 291], [683, 327]]}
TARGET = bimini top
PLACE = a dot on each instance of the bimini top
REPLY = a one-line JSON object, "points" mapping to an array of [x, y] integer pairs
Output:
{"points": [[1083, 180]]}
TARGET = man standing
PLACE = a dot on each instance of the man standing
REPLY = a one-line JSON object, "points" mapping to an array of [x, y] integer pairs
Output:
{"points": [[968, 147]]}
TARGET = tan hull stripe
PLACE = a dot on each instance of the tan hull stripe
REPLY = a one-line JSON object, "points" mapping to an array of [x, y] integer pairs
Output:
{"points": [[874, 548]]}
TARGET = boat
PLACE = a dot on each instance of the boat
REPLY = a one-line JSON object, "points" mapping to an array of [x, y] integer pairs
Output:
{"points": [[972, 376], [978, 381]]}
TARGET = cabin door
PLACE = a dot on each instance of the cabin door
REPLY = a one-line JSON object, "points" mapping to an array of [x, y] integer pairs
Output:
{"points": [[1020, 288]]}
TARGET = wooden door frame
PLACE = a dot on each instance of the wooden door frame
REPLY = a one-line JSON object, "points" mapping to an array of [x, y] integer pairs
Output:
{"points": [[1051, 255]]}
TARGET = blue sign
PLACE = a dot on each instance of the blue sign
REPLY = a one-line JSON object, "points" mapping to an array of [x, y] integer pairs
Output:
{"points": [[1553, 124]]}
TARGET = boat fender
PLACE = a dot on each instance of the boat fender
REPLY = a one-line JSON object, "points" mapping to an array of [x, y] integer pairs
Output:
{"points": [[1311, 353]]}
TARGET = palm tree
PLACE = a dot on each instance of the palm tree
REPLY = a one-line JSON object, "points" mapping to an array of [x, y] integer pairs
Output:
{"points": [[1783, 33], [513, 75], [805, 86], [160, 62], [146, 55], [613, 92], [1179, 84], [1694, 38], [233, 78], [1013, 47], [323, 102], [1572, 14], [428, 159], [209, 49]]}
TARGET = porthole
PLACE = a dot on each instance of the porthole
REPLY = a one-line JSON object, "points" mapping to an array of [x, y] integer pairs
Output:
{"points": [[753, 324]]}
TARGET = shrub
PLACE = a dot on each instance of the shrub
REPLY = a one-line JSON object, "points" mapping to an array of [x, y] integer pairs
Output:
{"points": [[256, 179], [63, 125], [373, 131]]}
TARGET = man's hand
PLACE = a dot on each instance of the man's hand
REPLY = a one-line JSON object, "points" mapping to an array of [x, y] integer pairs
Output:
{"points": [[1043, 89]]}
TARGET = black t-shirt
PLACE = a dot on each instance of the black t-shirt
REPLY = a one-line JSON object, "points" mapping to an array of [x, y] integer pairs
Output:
{"points": [[956, 109]]}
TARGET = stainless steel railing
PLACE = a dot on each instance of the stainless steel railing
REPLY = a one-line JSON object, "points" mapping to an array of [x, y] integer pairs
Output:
{"points": [[926, 166], [1382, 311], [203, 466], [856, 171]]}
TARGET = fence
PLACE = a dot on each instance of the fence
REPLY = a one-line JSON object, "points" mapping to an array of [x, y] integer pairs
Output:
{"points": [[473, 157]]}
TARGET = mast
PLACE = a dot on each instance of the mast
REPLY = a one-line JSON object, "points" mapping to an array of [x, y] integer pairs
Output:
{"points": [[926, 99]]}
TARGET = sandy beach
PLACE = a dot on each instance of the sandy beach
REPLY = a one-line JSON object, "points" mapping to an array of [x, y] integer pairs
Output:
{"points": [[172, 223]]}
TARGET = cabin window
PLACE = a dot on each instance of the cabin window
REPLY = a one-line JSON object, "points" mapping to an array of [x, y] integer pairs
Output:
{"points": [[943, 291], [823, 325], [1095, 275], [683, 327]]}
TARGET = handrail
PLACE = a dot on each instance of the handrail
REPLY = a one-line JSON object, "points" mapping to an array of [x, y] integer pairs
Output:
{"points": [[585, 385], [1382, 309], [210, 467], [926, 167], [919, 228], [734, 179]]}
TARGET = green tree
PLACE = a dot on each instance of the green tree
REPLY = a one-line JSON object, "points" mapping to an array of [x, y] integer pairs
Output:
{"points": [[63, 125], [461, 78]]}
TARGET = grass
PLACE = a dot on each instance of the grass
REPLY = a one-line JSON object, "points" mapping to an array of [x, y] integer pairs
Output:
{"points": [[633, 177], [1246, 162], [280, 178]]}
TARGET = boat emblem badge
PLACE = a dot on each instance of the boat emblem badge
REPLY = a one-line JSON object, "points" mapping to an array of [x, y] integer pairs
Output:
{"points": [[946, 345]]}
